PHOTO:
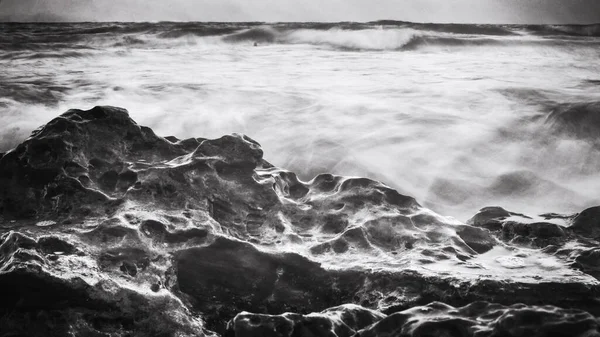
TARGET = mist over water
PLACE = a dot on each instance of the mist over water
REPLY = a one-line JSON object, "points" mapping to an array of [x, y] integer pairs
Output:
{"points": [[460, 117]]}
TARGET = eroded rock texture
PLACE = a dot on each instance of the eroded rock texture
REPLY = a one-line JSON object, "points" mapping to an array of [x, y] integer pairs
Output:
{"points": [[110, 230], [481, 319]]}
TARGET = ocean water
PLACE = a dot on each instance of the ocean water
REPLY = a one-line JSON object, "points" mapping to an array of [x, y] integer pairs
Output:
{"points": [[458, 116]]}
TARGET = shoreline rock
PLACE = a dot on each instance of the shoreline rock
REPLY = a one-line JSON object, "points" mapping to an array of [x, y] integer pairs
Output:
{"points": [[111, 230]]}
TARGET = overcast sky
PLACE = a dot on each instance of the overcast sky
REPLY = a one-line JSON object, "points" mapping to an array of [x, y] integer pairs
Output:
{"points": [[463, 11]]}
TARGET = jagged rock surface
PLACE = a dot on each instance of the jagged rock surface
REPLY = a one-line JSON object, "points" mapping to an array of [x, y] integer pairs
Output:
{"points": [[110, 230], [478, 319]]}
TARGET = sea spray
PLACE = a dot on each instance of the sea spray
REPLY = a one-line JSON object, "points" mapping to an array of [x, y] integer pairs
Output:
{"points": [[455, 115]]}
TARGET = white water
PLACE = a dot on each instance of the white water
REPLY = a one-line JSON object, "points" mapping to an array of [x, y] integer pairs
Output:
{"points": [[440, 123]]}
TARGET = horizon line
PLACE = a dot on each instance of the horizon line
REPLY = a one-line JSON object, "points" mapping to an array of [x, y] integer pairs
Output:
{"points": [[382, 21]]}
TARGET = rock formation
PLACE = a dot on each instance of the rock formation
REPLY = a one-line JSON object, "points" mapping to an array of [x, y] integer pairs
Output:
{"points": [[110, 230]]}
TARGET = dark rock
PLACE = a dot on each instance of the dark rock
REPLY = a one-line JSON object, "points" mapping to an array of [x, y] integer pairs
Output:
{"points": [[492, 218], [38, 164], [489, 217], [128, 268], [51, 244], [519, 228], [545, 230], [234, 149], [587, 223], [111, 231], [540, 234], [129, 259], [230, 276], [126, 179], [484, 319], [108, 180], [38, 301], [342, 321], [88, 227], [158, 231], [478, 239], [589, 262]]}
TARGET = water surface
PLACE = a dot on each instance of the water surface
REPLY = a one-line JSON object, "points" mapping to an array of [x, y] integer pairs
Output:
{"points": [[454, 115]]}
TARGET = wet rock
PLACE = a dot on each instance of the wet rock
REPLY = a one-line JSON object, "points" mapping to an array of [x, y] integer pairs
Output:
{"points": [[158, 231], [138, 234], [33, 174], [589, 262], [521, 229], [111, 231], [230, 276], [480, 240], [484, 319], [52, 244], [434, 319], [492, 218], [342, 321], [108, 180], [540, 234], [354, 316], [126, 179], [130, 259], [587, 223], [39, 300], [128, 268]]}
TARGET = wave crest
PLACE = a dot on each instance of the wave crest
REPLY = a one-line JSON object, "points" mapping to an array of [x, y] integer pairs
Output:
{"points": [[368, 39], [260, 34], [351, 39], [385, 38], [381, 35]]}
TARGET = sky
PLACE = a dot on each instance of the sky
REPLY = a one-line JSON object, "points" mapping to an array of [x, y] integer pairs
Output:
{"points": [[457, 11]]}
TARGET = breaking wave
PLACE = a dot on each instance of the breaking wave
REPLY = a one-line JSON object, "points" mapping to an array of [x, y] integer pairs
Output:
{"points": [[367, 39], [380, 38], [505, 101], [380, 35]]}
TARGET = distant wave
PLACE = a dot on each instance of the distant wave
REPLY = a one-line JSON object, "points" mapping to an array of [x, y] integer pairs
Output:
{"points": [[32, 91], [564, 30], [423, 41], [28, 55], [379, 35], [549, 30], [67, 54], [367, 39], [260, 34], [401, 39], [197, 31], [129, 41], [470, 29], [497, 30]]}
